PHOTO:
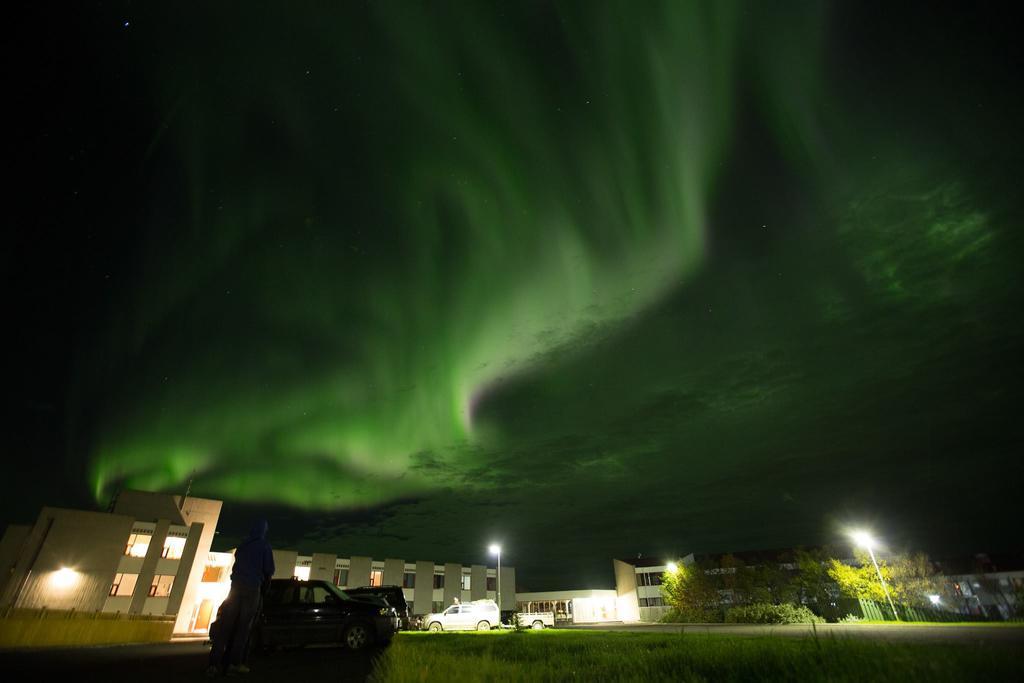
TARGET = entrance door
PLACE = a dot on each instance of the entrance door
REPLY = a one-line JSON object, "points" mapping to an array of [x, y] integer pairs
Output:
{"points": [[203, 618]]}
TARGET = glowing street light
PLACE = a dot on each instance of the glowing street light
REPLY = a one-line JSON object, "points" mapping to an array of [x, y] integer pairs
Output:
{"points": [[867, 541], [672, 567], [935, 599], [495, 549]]}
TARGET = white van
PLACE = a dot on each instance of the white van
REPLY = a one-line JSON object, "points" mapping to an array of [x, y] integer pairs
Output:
{"points": [[479, 615]]}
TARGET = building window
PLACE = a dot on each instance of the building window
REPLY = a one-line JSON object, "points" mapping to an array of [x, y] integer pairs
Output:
{"points": [[492, 583], [465, 582], [436, 606], [341, 577], [173, 547], [409, 580], [301, 573], [124, 584], [654, 578], [161, 586], [138, 545], [377, 578], [438, 580], [212, 573]]}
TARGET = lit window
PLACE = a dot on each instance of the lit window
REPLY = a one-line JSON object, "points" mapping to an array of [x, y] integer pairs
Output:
{"points": [[138, 545], [409, 580], [302, 573], [124, 584], [212, 573], [465, 582], [161, 586], [377, 578], [173, 546], [341, 577]]}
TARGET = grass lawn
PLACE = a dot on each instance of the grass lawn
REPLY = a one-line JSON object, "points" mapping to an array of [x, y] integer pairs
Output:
{"points": [[984, 624], [553, 655]]}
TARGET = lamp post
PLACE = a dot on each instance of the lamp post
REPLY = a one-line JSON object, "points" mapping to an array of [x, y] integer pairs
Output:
{"points": [[864, 540], [496, 550]]}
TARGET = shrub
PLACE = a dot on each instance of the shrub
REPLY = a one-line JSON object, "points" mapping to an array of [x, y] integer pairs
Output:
{"points": [[765, 613], [692, 616]]}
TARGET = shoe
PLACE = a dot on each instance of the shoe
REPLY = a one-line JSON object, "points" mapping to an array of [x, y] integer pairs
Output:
{"points": [[235, 670], [212, 671]]}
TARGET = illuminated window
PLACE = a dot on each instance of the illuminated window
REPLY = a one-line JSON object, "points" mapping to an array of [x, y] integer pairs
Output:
{"points": [[173, 546], [124, 584], [341, 577], [465, 582], [212, 573], [161, 586], [377, 577], [302, 573], [138, 545], [409, 580]]}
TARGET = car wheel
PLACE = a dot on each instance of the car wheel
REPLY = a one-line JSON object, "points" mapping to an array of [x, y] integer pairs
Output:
{"points": [[538, 624], [435, 626], [357, 636], [483, 626]]}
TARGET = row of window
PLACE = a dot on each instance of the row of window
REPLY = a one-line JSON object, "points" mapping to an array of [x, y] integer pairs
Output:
{"points": [[648, 579], [408, 579], [652, 602], [124, 585], [138, 546]]}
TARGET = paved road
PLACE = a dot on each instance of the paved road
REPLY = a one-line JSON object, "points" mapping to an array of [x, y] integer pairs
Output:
{"points": [[178, 662], [894, 633]]}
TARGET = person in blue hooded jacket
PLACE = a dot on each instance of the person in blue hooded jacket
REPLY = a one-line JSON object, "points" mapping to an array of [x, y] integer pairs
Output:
{"points": [[253, 569]]}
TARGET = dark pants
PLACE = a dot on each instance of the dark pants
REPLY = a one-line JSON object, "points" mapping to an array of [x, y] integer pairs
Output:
{"points": [[232, 635]]}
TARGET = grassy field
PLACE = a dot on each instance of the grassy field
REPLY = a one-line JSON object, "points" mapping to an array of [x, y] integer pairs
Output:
{"points": [[553, 655]]}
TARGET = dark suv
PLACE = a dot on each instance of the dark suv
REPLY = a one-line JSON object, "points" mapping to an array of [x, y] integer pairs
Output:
{"points": [[314, 612], [394, 596]]}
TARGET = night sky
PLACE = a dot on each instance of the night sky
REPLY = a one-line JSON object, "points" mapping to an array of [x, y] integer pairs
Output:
{"points": [[591, 279]]}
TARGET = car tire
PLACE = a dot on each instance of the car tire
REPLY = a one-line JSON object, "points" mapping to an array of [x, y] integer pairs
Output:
{"points": [[483, 626], [435, 626], [357, 636], [538, 624]]}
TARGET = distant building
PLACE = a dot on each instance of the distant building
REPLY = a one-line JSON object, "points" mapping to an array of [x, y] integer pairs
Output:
{"points": [[592, 606], [982, 586], [428, 586]]}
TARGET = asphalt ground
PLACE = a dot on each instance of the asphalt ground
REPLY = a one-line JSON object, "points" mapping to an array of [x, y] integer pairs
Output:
{"points": [[180, 662], [966, 634]]}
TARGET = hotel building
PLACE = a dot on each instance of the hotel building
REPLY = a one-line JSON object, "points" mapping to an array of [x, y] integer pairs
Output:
{"points": [[151, 555]]}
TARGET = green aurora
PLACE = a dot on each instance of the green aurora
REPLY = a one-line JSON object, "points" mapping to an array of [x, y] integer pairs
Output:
{"points": [[608, 257]]}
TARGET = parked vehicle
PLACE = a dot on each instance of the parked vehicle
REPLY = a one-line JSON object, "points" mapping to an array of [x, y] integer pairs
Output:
{"points": [[394, 596], [317, 612], [537, 619], [479, 615]]}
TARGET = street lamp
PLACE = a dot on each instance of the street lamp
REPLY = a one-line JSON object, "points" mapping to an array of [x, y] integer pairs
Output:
{"points": [[866, 541], [495, 549], [672, 567]]}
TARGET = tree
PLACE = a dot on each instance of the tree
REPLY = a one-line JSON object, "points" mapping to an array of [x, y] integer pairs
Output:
{"points": [[812, 583], [910, 578], [913, 579], [858, 582], [691, 593]]}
